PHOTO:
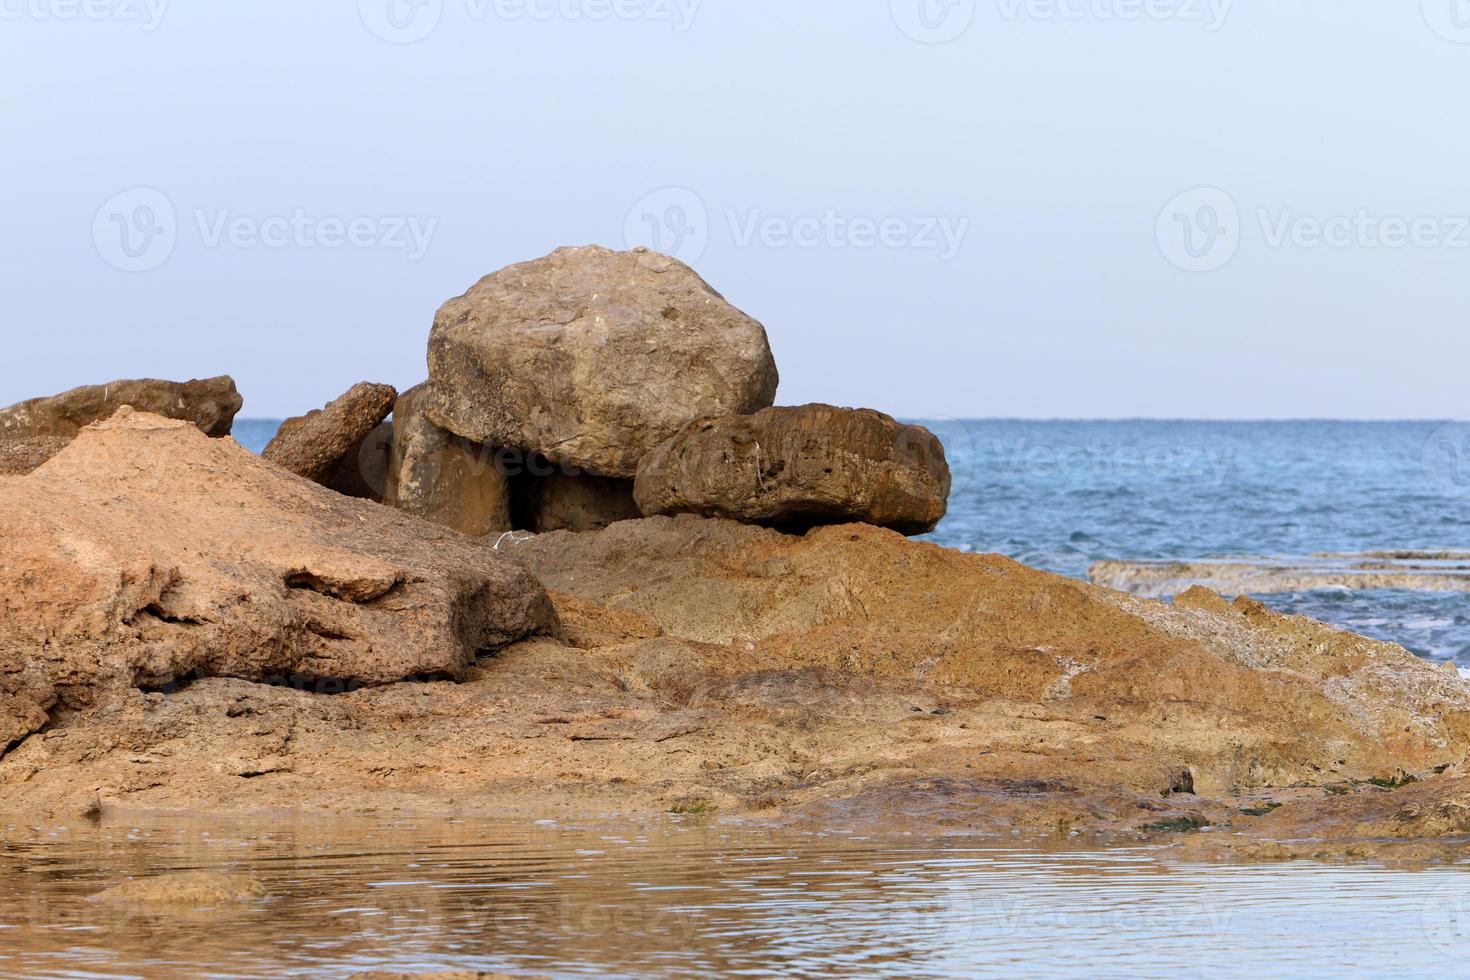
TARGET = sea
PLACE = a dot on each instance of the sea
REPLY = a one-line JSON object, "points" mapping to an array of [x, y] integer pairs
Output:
{"points": [[1065, 495]]}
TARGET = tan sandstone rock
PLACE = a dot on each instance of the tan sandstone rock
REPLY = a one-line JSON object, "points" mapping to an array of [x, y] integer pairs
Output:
{"points": [[593, 357], [315, 445], [847, 678], [145, 554], [34, 431], [443, 477], [799, 467]]}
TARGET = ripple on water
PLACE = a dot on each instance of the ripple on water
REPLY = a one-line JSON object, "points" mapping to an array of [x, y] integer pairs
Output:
{"points": [[698, 896]]}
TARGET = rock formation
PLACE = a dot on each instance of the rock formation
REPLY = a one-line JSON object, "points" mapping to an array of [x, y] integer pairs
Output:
{"points": [[34, 431], [316, 444], [558, 501], [593, 357], [798, 467], [145, 555], [442, 477]]}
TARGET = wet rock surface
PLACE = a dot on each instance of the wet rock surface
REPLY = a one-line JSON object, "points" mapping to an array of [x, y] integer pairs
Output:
{"points": [[593, 357], [34, 431], [799, 467]]}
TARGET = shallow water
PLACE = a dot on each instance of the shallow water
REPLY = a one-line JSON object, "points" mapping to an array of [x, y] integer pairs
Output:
{"points": [[697, 896]]}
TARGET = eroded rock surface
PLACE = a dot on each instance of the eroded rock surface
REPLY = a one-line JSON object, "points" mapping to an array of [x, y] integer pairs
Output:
{"points": [[314, 445], [800, 467], [34, 431], [849, 677], [442, 477], [593, 357], [145, 555]]}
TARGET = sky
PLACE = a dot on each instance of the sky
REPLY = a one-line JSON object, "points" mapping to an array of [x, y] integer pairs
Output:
{"points": [[938, 208]]}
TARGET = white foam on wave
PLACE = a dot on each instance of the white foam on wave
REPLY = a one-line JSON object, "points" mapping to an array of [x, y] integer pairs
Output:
{"points": [[1465, 673]]}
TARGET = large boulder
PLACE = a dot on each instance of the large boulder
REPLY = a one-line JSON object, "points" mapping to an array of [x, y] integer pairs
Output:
{"points": [[145, 555], [34, 431], [442, 477], [800, 467], [593, 357], [326, 445]]}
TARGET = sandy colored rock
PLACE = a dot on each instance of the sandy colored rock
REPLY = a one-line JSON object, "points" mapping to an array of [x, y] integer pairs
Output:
{"points": [[34, 431], [566, 502], [800, 467], [192, 889], [848, 678], [363, 471], [593, 357], [146, 555], [445, 478], [314, 444]]}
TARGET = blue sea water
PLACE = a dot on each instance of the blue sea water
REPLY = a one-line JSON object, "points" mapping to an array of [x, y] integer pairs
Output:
{"points": [[1062, 495]]}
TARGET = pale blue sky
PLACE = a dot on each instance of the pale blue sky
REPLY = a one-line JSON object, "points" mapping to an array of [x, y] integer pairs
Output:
{"points": [[1046, 139]]}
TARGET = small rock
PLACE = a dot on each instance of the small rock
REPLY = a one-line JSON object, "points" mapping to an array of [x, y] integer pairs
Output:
{"points": [[442, 477], [312, 445], [800, 467]]}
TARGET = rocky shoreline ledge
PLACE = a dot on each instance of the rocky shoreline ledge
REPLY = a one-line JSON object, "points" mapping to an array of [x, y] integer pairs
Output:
{"points": [[588, 569]]}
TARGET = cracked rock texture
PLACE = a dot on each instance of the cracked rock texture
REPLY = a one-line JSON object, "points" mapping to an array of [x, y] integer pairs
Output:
{"points": [[146, 554], [592, 357]]}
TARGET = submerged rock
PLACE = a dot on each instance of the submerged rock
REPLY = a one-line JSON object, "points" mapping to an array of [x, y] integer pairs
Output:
{"points": [[316, 444], [146, 555], [799, 467], [593, 357], [34, 431], [1420, 572], [442, 477], [191, 889]]}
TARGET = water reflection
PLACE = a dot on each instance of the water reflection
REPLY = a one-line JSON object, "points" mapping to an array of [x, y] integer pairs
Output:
{"points": [[697, 896]]}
